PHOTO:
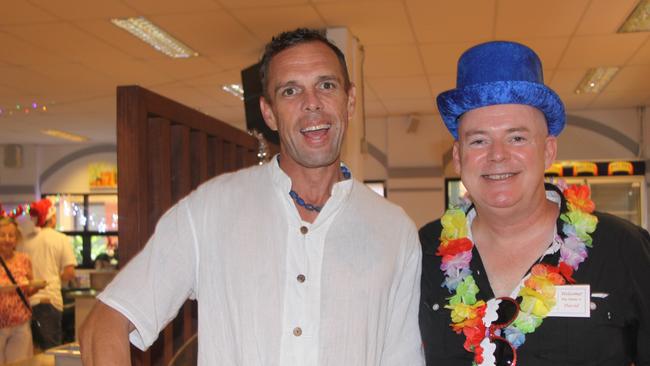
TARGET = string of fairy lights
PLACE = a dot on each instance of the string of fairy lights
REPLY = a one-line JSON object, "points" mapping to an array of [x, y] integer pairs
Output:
{"points": [[69, 209], [25, 109]]}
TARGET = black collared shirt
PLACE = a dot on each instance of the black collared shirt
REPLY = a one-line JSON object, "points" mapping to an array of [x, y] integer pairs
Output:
{"points": [[616, 333]]}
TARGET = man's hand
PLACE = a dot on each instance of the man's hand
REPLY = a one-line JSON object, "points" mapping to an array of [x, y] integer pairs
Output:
{"points": [[104, 337]]}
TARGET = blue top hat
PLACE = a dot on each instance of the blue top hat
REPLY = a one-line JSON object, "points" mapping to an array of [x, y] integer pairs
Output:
{"points": [[500, 73]]}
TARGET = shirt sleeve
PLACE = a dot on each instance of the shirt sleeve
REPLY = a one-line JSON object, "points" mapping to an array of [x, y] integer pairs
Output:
{"points": [[403, 345], [152, 287]]}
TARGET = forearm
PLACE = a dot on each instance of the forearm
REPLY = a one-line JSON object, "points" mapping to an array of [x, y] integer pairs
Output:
{"points": [[104, 338], [67, 274]]}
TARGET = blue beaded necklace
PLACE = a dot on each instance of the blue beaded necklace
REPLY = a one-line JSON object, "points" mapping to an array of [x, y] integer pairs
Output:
{"points": [[308, 206]]}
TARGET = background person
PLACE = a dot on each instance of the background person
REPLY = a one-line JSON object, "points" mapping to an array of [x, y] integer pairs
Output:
{"points": [[15, 315], [578, 276], [54, 261], [292, 262]]}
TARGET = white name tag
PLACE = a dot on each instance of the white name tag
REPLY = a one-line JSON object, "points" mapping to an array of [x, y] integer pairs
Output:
{"points": [[571, 301]]}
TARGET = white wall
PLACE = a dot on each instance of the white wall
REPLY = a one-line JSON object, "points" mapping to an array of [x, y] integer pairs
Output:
{"points": [[37, 159]]}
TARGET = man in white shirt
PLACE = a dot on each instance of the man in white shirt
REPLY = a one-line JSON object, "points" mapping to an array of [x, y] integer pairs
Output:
{"points": [[292, 262], [53, 260]]}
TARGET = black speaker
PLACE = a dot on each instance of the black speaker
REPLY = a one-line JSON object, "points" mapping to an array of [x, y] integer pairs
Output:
{"points": [[252, 84]]}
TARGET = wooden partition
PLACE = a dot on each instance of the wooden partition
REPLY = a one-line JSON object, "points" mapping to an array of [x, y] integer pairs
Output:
{"points": [[165, 150]]}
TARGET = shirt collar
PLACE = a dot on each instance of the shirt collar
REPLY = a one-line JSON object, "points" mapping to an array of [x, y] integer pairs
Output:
{"points": [[282, 185]]}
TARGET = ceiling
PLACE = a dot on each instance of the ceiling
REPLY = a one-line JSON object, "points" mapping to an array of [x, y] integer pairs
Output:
{"points": [[67, 55]]}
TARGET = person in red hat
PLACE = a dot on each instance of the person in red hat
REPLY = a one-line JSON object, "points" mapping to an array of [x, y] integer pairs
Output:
{"points": [[54, 261]]}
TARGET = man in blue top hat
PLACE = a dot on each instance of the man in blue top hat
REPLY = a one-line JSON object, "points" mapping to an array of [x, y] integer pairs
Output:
{"points": [[529, 273]]}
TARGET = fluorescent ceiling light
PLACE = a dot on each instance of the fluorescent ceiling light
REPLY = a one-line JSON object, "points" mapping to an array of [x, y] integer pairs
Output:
{"points": [[154, 36], [596, 79], [639, 20], [234, 89], [65, 135]]}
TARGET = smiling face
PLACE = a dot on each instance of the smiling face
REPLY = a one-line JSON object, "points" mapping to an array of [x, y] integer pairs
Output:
{"points": [[308, 106], [501, 154], [8, 238]]}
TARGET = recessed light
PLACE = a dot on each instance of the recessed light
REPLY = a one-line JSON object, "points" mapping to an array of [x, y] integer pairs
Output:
{"points": [[65, 135], [234, 89], [596, 79], [155, 36], [639, 20]]}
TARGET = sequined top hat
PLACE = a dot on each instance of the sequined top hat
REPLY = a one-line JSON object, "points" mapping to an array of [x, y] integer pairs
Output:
{"points": [[500, 72]]}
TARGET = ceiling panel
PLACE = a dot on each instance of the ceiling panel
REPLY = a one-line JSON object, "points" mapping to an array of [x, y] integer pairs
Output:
{"points": [[533, 18], [630, 78], [182, 69], [23, 79], [410, 106], [368, 20], [159, 7], [120, 39], [209, 33], [609, 99], [238, 4], [565, 81], [66, 40], [84, 9], [130, 72], [470, 20], [265, 22], [577, 102], [609, 50], [216, 79], [549, 50], [400, 88], [237, 60], [86, 82], [605, 16], [392, 60], [440, 83], [642, 57], [442, 58], [22, 12], [18, 52]]}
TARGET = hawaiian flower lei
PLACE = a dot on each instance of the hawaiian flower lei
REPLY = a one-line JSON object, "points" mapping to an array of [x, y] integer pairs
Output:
{"points": [[538, 292]]}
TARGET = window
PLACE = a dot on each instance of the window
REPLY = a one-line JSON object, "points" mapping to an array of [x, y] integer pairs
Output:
{"points": [[91, 221]]}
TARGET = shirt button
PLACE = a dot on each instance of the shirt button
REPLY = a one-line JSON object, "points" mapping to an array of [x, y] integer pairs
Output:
{"points": [[297, 331], [592, 305], [301, 278], [303, 230], [435, 307]]}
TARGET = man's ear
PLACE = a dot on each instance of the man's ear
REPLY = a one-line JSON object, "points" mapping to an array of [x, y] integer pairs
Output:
{"points": [[267, 113], [550, 151], [455, 154], [352, 99]]}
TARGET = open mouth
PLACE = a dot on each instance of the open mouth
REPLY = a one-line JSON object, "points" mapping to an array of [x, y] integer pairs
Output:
{"points": [[498, 177], [316, 134], [316, 128]]}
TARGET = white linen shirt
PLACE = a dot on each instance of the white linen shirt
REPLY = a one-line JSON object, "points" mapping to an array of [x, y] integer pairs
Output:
{"points": [[238, 246]]}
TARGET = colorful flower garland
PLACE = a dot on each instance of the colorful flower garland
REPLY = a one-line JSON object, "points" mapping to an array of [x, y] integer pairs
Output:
{"points": [[538, 292]]}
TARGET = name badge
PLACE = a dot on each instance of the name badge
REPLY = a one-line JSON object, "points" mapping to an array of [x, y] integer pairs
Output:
{"points": [[571, 301]]}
